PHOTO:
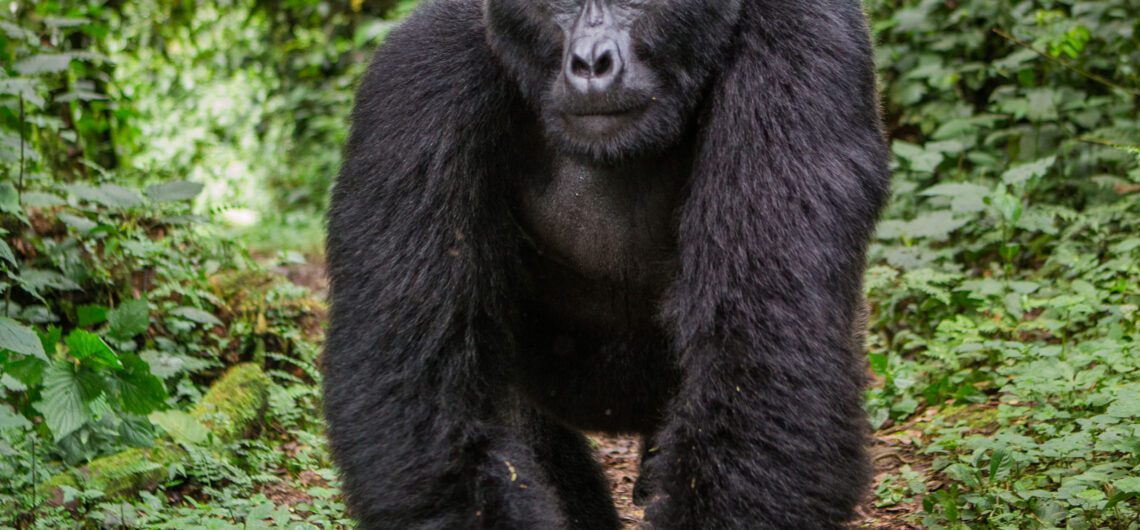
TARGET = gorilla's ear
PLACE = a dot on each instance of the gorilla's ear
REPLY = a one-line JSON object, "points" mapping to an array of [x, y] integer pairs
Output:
{"points": [[791, 168]]}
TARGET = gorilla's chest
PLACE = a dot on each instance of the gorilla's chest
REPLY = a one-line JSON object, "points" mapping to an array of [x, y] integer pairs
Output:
{"points": [[601, 238]]}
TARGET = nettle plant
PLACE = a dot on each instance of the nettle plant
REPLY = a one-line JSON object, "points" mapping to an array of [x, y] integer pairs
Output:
{"points": [[104, 285], [1006, 274]]}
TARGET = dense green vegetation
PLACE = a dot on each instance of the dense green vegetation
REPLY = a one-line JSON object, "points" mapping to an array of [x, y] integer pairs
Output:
{"points": [[146, 147]]}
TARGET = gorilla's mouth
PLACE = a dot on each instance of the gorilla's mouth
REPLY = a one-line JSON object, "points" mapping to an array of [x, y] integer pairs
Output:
{"points": [[600, 121], [606, 112]]}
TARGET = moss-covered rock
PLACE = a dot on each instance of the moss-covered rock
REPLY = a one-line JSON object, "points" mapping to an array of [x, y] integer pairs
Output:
{"points": [[230, 409], [235, 402]]}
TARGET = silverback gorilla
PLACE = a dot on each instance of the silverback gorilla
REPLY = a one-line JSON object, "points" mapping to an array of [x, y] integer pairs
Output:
{"points": [[638, 216]]}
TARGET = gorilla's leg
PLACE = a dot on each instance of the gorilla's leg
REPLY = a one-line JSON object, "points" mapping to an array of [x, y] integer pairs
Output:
{"points": [[566, 457], [644, 489]]}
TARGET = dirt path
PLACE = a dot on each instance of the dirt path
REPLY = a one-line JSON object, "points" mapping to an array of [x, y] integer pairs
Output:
{"points": [[619, 454]]}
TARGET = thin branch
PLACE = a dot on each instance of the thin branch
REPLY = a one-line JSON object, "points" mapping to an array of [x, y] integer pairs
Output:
{"points": [[1108, 143], [1094, 77], [20, 182]]}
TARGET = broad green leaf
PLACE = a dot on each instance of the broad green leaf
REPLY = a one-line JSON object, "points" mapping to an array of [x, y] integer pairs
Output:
{"points": [[90, 315], [964, 197], [917, 158], [23, 87], [129, 319], [15, 32], [1026, 172], [119, 197], [21, 339], [11, 383], [182, 427], [6, 254], [87, 346], [44, 63], [61, 402], [27, 370], [79, 223], [108, 195], [194, 314], [136, 431], [1041, 104], [38, 280], [181, 190], [140, 391], [934, 225], [38, 199], [1128, 484], [9, 419], [1127, 405], [9, 199], [166, 365], [65, 22]]}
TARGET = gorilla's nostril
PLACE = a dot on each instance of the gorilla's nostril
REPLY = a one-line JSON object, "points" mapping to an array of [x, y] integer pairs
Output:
{"points": [[579, 67], [603, 64]]}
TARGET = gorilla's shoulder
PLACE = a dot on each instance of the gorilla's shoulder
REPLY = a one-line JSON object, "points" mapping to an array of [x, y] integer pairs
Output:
{"points": [[437, 58], [439, 31]]}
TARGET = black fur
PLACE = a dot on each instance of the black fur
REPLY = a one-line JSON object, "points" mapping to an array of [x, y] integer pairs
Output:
{"points": [[702, 288]]}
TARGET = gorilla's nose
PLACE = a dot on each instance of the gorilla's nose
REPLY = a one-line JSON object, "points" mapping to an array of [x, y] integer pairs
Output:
{"points": [[593, 64]]}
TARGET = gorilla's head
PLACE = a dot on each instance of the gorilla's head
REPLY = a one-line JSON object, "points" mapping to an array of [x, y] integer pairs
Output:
{"points": [[612, 78]]}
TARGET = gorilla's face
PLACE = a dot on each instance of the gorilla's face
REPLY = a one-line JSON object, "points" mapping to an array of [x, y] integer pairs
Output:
{"points": [[612, 78]]}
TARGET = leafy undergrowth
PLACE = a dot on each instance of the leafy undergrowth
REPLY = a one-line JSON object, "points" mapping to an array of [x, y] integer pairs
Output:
{"points": [[1004, 280], [1006, 275], [121, 311]]}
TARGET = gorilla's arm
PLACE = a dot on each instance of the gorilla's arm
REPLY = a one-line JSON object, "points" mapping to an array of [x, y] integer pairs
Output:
{"points": [[767, 430], [418, 260]]}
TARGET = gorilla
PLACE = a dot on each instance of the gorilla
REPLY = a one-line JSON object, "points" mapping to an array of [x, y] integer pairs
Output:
{"points": [[623, 216]]}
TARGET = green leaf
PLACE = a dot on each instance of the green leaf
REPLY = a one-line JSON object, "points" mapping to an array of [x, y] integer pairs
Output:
{"points": [[61, 402], [6, 253], [129, 319], [65, 22], [140, 391], [182, 427], [10, 420], [27, 370], [15, 32], [964, 197], [79, 223], [20, 339], [38, 280], [90, 315], [181, 190], [108, 195], [87, 346], [27, 88], [9, 199], [166, 365], [136, 431], [919, 159], [1128, 484], [38, 199], [1127, 405], [1024, 173], [11, 383], [936, 225], [194, 314], [44, 63], [999, 458]]}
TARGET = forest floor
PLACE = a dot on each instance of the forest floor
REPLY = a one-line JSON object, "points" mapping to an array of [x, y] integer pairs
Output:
{"points": [[890, 449]]}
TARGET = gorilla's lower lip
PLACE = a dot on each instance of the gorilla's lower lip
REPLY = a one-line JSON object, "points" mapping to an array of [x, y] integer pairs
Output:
{"points": [[616, 113], [602, 122]]}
